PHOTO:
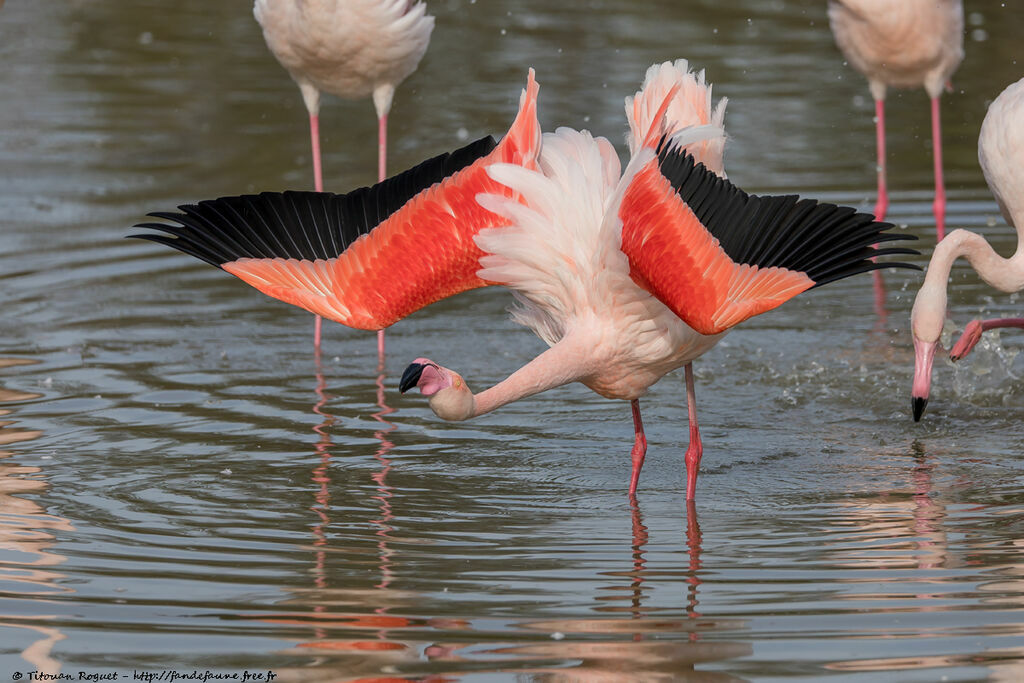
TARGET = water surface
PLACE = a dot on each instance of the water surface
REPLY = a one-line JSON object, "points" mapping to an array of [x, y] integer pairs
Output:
{"points": [[183, 487]]}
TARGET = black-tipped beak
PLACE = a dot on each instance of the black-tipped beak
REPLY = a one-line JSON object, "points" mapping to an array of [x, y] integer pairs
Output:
{"points": [[918, 404], [411, 376]]}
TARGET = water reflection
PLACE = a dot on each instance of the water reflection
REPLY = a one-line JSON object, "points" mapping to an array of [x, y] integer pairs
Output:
{"points": [[355, 611], [26, 538], [658, 649]]}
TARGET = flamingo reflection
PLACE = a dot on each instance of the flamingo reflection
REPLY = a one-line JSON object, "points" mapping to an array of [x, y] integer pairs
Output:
{"points": [[654, 652], [26, 531]]}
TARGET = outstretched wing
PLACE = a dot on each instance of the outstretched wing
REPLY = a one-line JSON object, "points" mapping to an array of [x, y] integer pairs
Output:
{"points": [[370, 257], [716, 255]]}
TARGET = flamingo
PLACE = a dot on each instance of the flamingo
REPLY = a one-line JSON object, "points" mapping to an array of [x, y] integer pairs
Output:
{"points": [[626, 275], [905, 44], [1001, 155], [349, 48]]}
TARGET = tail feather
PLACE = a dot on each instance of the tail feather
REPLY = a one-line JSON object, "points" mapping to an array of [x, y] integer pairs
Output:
{"points": [[521, 145], [672, 99]]}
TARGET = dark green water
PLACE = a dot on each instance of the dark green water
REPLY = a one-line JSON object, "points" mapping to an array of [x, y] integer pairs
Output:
{"points": [[182, 487]]}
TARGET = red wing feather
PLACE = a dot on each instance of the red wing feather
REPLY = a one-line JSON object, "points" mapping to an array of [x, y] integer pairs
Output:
{"points": [[369, 258], [716, 255], [672, 255]]}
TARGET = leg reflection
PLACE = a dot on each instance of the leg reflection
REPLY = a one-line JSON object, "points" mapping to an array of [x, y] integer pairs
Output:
{"points": [[639, 563], [322, 480], [693, 548]]}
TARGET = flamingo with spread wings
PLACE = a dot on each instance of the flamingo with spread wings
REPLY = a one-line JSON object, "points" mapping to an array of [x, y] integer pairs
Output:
{"points": [[626, 275]]}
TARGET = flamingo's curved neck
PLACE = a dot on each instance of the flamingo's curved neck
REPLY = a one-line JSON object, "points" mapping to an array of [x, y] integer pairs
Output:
{"points": [[1005, 274], [565, 362]]}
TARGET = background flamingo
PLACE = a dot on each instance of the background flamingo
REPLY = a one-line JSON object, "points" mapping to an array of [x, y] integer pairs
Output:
{"points": [[1001, 154], [627, 276], [905, 44], [349, 48]]}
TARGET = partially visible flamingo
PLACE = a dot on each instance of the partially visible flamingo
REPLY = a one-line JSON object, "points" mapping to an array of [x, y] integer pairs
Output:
{"points": [[1001, 154], [904, 44], [349, 48], [626, 275]]}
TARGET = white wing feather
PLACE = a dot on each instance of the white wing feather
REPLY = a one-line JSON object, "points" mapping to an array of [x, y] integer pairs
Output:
{"points": [[550, 253]]}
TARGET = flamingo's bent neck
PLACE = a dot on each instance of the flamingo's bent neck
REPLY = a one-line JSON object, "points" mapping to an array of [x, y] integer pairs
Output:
{"points": [[561, 364], [451, 399], [1004, 274]]}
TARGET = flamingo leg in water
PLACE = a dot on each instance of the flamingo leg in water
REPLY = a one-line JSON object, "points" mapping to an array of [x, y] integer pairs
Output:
{"points": [[882, 205], [382, 157], [972, 334], [318, 185], [639, 447], [695, 450], [939, 205]]}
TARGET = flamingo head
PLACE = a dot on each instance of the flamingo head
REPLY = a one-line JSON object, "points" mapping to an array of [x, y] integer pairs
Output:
{"points": [[926, 321], [924, 354], [450, 398]]}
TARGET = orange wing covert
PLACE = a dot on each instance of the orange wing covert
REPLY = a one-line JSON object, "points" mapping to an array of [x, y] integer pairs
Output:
{"points": [[368, 258], [717, 256]]}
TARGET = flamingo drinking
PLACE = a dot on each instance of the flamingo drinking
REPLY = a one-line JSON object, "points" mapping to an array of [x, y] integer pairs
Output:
{"points": [[902, 44], [1001, 154], [626, 275], [349, 48]]}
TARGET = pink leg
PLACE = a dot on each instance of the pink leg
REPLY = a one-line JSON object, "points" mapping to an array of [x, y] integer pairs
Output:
{"points": [[972, 335], [939, 206], [318, 185], [695, 450], [882, 205], [382, 147], [639, 447], [382, 157], [883, 196]]}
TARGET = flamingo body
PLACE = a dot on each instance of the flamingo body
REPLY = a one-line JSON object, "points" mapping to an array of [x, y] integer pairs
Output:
{"points": [[1001, 155], [905, 44], [349, 48]]}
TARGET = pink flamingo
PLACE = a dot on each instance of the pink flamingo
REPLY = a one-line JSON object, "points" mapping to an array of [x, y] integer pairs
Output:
{"points": [[626, 275], [349, 48], [905, 44], [1001, 154]]}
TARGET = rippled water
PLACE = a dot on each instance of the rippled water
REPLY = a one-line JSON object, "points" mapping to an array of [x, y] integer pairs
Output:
{"points": [[183, 488]]}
